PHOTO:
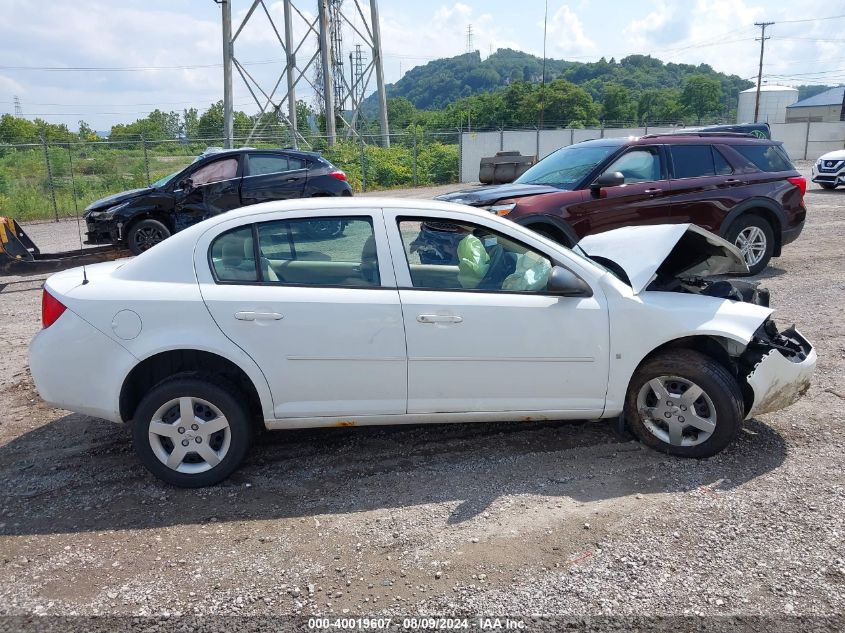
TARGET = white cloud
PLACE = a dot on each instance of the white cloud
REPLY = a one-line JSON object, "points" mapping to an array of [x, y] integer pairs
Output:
{"points": [[665, 25], [444, 35], [10, 87], [566, 35]]}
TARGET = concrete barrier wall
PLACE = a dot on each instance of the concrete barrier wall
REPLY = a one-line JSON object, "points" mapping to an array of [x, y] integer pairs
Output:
{"points": [[801, 140], [825, 137], [794, 137], [522, 141], [551, 140], [474, 146]]}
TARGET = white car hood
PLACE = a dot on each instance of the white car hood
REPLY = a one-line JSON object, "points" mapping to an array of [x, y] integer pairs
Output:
{"points": [[838, 154], [680, 250]]}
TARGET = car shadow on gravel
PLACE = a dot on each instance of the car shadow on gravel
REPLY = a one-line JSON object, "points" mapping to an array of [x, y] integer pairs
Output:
{"points": [[78, 474]]}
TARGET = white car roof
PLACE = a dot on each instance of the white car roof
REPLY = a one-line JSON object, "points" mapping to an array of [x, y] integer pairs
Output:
{"points": [[172, 259]]}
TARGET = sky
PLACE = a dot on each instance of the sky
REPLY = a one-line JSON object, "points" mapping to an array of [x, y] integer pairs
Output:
{"points": [[111, 61]]}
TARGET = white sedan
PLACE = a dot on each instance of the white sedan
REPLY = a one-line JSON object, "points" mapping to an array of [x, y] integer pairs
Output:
{"points": [[247, 321]]}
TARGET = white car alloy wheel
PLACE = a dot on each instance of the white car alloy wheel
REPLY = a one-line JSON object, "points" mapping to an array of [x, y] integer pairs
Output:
{"points": [[676, 411], [189, 435], [751, 241]]}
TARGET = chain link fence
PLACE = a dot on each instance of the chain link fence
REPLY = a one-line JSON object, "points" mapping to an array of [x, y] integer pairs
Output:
{"points": [[52, 180]]}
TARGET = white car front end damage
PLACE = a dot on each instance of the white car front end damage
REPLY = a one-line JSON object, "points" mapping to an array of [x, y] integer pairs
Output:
{"points": [[682, 258], [783, 363]]}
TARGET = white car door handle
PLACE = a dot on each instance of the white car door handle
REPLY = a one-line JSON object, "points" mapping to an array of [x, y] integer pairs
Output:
{"points": [[258, 316], [439, 318]]}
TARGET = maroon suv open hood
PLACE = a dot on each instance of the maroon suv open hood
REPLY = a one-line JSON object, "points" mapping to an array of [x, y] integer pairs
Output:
{"points": [[483, 196]]}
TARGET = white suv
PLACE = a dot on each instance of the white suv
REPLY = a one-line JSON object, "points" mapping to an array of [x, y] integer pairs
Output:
{"points": [[829, 170]]}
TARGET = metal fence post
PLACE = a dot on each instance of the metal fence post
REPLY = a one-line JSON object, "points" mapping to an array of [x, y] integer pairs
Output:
{"points": [[460, 154], [501, 139], [537, 144], [807, 139], [50, 177], [146, 160], [363, 168], [414, 157]]}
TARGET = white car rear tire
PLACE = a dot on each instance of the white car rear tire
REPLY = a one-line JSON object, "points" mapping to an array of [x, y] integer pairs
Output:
{"points": [[192, 430]]}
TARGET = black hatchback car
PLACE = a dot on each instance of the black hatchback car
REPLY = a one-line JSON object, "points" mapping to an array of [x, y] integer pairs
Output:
{"points": [[214, 183]]}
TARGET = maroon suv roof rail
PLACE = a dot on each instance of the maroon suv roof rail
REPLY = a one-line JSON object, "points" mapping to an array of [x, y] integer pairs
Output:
{"points": [[716, 134]]}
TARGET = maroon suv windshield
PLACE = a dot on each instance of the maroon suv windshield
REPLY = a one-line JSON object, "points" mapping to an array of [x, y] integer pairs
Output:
{"points": [[566, 167]]}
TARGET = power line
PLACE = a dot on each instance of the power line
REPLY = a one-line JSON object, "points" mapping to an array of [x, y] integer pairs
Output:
{"points": [[828, 17], [134, 68], [811, 39]]}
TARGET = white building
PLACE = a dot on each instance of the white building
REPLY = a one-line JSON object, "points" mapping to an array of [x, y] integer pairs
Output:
{"points": [[773, 103]]}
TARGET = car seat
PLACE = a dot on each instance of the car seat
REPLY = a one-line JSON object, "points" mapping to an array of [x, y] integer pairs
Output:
{"points": [[369, 262], [237, 260]]}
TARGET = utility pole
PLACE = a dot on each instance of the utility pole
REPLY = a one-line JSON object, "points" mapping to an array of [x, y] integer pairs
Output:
{"points": [[762, 39], [227, 73]]}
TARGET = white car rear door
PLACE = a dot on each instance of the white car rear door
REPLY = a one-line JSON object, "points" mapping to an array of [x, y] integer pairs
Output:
{"points": [[320, 314]]}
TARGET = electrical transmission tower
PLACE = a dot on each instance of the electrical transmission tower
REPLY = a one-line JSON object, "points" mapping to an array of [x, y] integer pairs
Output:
{"points": [[332, 17], [469, 38], [18, 108], [336, 37]]}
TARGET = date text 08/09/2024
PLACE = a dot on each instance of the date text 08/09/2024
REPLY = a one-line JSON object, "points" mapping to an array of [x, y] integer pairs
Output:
{"points": [[417, 623]]}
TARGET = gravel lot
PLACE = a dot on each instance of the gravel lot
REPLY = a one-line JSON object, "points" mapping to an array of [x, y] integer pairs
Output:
{"points": [[504, 519]]}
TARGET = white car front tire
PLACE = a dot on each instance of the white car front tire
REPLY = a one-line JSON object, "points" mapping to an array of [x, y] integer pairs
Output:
{"points": [[684, 403]]}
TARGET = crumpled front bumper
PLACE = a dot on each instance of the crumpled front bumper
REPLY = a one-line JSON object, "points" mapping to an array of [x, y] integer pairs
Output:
{"points": [[102, 229], [778, 380]]}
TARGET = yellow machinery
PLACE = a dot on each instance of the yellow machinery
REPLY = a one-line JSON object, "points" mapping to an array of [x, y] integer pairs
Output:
{"points": [[20, 256]]}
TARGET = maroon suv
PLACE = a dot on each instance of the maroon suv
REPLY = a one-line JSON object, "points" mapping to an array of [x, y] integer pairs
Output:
{"points": [[742, 188]]}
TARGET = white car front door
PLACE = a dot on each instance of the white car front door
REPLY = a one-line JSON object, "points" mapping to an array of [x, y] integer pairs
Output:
{"points": [[483, 335], [319, 314]]}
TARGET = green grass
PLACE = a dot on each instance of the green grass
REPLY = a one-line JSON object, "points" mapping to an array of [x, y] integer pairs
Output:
{"points": [[87, 172]]}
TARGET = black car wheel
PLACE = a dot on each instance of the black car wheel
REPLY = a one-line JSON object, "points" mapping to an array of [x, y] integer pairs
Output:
{"points": [[145, 234], [754, 237]]}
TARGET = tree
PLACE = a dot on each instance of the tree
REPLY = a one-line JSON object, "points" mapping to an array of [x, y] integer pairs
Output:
{"points": [[662, 105], [400, 112], [616, 105], [701, 95], [190, 122], [16, 130], [564, 103], [210, 123], [304, 113], [86, 133], [156, 126]]}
